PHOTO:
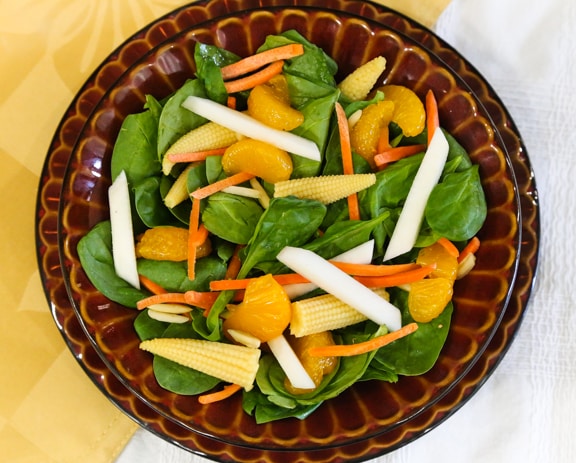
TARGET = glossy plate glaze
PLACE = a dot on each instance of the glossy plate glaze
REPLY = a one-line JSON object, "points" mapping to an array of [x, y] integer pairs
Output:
{"points": [[371, 418]]}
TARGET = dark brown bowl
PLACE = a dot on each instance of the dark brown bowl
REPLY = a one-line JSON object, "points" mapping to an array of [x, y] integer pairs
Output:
{"points": [[371, 417]]}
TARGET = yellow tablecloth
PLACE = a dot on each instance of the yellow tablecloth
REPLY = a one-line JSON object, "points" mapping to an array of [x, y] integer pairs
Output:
{"points": [[49, 409]]}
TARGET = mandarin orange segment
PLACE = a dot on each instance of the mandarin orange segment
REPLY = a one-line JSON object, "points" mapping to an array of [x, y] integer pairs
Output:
{"points": [[168, 243], [436, 254], [259, 158], [427, 298], [163, 243], [280, 86], [409, 112], [366, 132], [270, 104], [265, 311], [316, 367]]}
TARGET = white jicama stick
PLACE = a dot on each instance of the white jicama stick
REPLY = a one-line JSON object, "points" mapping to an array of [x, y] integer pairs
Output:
{"points": [[408, 225], [123, 250], [290, 363], [248, 126], [361, 254], [341, 285]]}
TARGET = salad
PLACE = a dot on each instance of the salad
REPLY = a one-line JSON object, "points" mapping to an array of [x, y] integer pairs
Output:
{"points": [[285, 235]]}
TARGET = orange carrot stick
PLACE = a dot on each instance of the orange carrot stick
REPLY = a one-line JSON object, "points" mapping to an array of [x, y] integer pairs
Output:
{"points": [[402, 278], [151, 286], [256, 61], [470, 248], [340, 350], [164, 298], [368, 270], [258, 78], [228, 391], [234, 264], [192, 237], [432, 116], [372, 274], [347, 163], [395, 154], [231, 102], [195, 156], [383, 140], [200, 235], [201, 299], [345, 146], [449, 246], [215, 187], [284, 279]]}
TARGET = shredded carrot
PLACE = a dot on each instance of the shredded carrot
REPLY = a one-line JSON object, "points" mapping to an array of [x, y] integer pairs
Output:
{"points": [[234, 264], [470, 248], [449, 246], [200, 235], [397, 279], [228, 391], [200, 299], [385, 157], [383, 140], [193, 237], [195, 156], [345, 146], [432, 116], [340, 350], [215, 187], [256, 61], [164, 298], [284, 279], [258, 78], [368, 270], [151, 286], [291, 279], [231, 102], [347, 164], [375, 275]]}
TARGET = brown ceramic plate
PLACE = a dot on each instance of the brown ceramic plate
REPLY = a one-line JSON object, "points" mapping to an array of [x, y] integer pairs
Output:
{"points": [[371, 418]]}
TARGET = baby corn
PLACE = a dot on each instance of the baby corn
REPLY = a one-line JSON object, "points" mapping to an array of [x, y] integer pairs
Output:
{"points": [[228, 362], [326, 189], [358, 84], [178, 192], [206, 137], [324, 313]]}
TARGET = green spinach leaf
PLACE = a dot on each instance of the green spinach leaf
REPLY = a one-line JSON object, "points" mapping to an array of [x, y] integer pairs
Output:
{"points": [[147, 327], [175, 120], [135, 148], [149, 203], [457, 207], [287, 221], [231, 217], [95, 253], [209, 59], [316, 127], [417, 353], [173, 276]]}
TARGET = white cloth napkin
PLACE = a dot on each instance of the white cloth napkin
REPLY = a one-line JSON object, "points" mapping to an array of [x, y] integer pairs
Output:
{"points": [[526, 411]]}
